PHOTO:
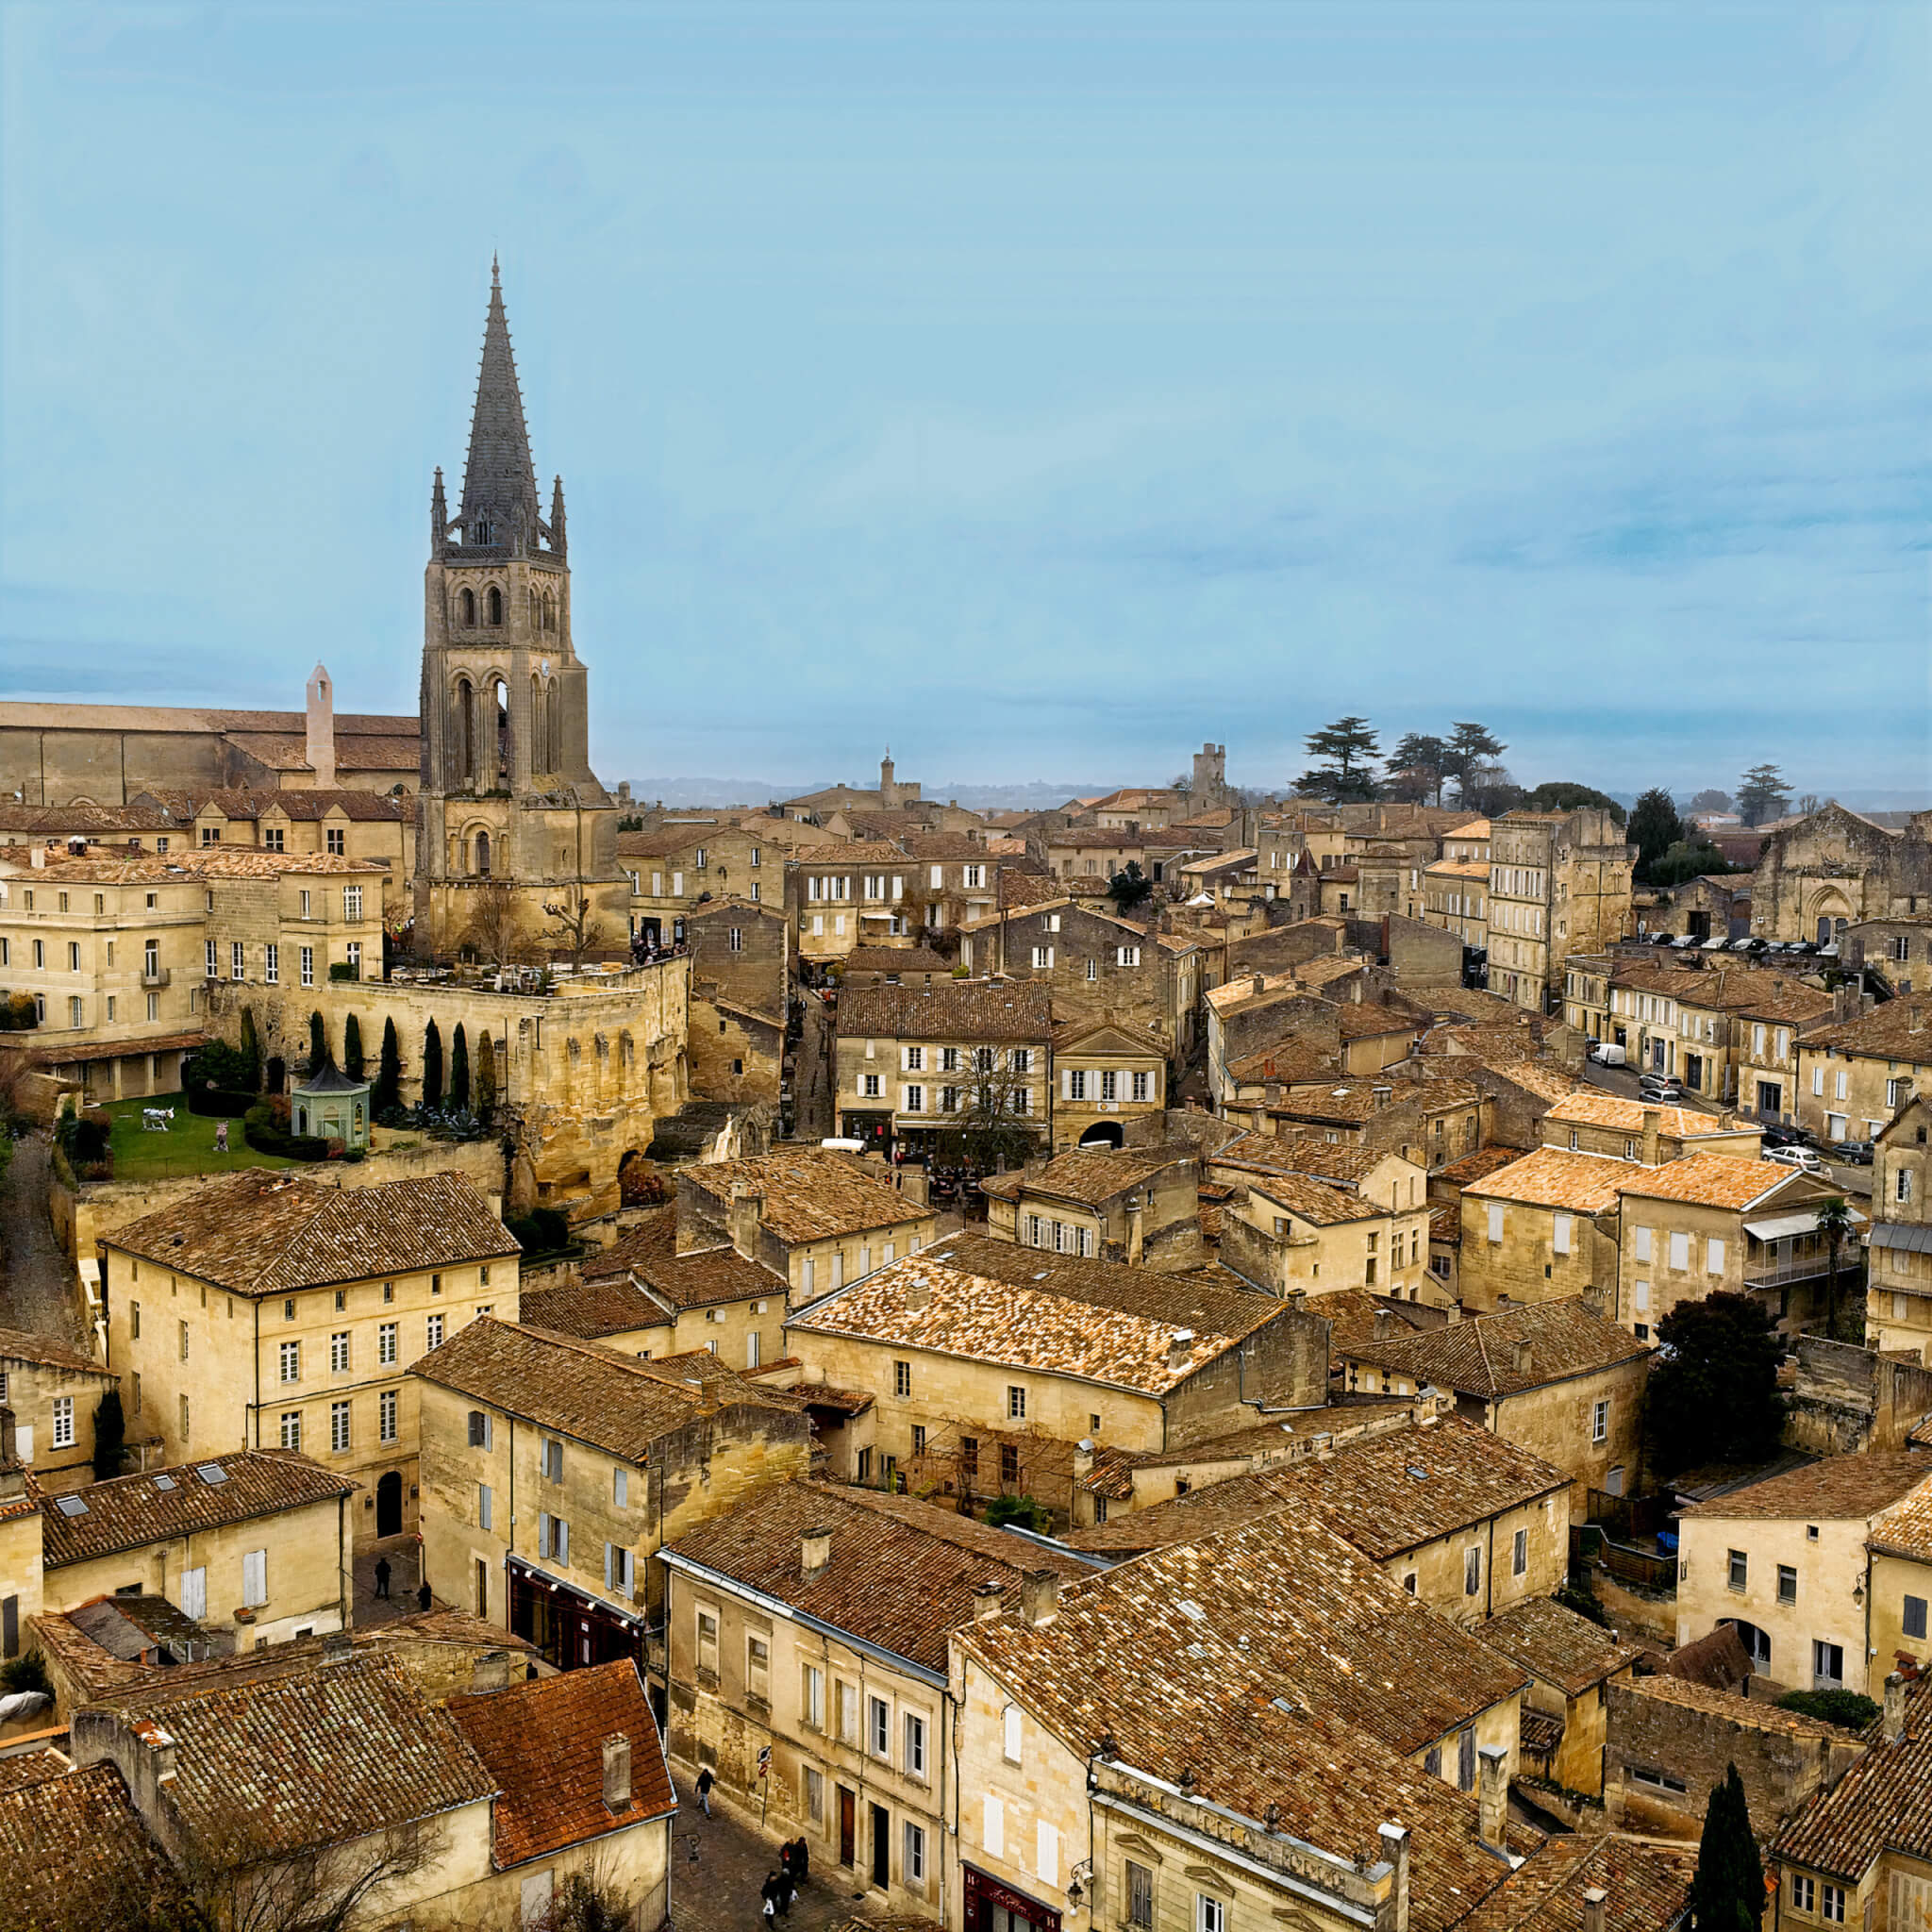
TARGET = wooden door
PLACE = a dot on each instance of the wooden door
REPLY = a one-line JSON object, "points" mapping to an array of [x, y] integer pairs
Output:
{"points": [[848, 1825]]}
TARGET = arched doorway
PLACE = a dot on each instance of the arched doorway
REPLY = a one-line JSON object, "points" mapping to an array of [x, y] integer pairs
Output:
{"points": [[388, 1505], [1756, 1642], [1103, 1134]]}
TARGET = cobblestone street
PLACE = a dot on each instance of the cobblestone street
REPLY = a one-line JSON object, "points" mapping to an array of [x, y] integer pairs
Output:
{"points": [[718, 1864]]}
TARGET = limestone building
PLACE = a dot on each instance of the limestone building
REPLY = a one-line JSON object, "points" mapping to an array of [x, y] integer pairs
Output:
{"points": [[1559, 883], [508, 792]]}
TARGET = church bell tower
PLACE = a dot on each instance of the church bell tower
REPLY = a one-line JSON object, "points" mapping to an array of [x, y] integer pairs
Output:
{"points": [[507, 794]]}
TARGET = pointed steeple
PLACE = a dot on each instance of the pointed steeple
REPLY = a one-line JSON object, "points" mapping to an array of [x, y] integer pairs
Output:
{"points": [[557, 542], [499, 480], [439, 516]]}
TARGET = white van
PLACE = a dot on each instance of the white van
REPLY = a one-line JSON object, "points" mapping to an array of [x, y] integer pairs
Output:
{"points": [[1608, 1055]]}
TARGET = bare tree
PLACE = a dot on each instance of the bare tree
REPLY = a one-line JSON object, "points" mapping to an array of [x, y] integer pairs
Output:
{"points": [[497, 931], [575, 928]]}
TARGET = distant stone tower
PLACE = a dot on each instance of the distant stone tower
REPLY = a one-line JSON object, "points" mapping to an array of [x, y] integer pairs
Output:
{"points": [[1210, 779], [508, 792], [320, 719]]}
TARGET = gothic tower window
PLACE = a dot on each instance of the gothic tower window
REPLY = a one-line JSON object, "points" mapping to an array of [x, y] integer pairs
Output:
{"points": [[466, 730], [466, 607], [482, 867], [482, 533], [553, 726], [549, 612], [539, 742], [495, 605]]}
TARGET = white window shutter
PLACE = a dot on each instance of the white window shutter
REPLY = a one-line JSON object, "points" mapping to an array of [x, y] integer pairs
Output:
{"points": [[1714, 1257], [1066, 1084], [563, 1540], [939, 877], [898, 885], [1047, 1856], [607, 1566], [543, 1533], [995, 1831]]}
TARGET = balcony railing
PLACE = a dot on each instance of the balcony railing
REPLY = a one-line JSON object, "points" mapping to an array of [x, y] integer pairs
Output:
{"points": [[156, 976], [1767, 1271]]}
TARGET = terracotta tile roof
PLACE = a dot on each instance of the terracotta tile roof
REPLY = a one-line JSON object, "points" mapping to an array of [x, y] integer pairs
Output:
{"points": [[1369, 1492], [902, 1574], [1026, 1308], [1306, 1153], [1747, 1713], [333, 1752], [99, 871], [1445, 1224], [1477, 1166], [1592, 1108], [1906, 1529], [1457, 868], [542, 1743], [1882, 1804], [1477, 1356], [607, 1304], [1708, 1180], [962, 1010], [810, 1193], [1351, 1314], [1648, 1887], [1838, 1488], [842, 856], [249, 862], [609, 1400], [1312, 1201], [264, 1232], [1091, 1175], [31, 1768], [1557, 1645], [1539, 1077], [127, 1511], [695, 1279], [1554, 1178], [1900, 1030], [75, 1853], [21, 1345], [895, 959], [1150, 1657]]}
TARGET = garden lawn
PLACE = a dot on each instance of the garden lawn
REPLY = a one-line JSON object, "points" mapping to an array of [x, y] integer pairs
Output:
{"points": [[188, 1147]]}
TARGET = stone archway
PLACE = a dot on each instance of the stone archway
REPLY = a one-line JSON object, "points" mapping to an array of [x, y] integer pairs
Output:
{"points": [[1103, 1134], [1828, 910]]}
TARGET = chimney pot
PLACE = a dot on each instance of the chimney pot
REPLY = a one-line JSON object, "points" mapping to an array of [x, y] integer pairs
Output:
{"points": [[815, 1553], [1653, 1126], [1593, 1902], [918, 1296], [1493, 1794], [1522, 1356], [1395, 1849], [1385, 1324], [616, 1772], [1894, 1723], [1083, 1455], [1181, 1348], [338, 1646], [986, 1601], [1040, 1596]]}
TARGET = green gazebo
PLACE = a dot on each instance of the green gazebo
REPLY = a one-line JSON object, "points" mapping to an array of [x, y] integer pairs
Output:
{"points": [[331, 1105]]}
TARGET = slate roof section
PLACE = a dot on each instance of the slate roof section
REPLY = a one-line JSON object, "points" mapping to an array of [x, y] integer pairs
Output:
{"points": [[1557, 1645], [1648, 1887], [1883, 1802], [1591, 1108], [1556, 1177], [1900, 1030], [1838, 1489], [1326, 1161], [1477, 1355], [1149, 1655], [609, 1400], [128, 1511], [1026, 1309], [1384, 1493], [902, 1574], [312, 1757], [810, 1193], [962, 1010], [75, 1852], [542, 1743], [267, 1232], [1093, 1175]]}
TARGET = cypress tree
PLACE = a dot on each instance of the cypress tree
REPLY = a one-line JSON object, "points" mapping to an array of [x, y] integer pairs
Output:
{"points": [[318, 1043], [251, 1048], [352, 1047], [389, 1074], [432, 1066], [1727, 1894], [459, 1070], [486, 1080]]}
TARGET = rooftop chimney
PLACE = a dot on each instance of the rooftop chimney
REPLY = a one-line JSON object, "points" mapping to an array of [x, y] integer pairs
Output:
{"points": [[1385, 1324], [1895, 1719], [747, 1213], [918, 1295], [814, 1553], [1396, 1851], [1083, 1457], [1520, 1357], [1493, 1794], [160, 1748], [986, 1601], [616, 1772], [1181, 1348], [1040, 1596], [338, 1647], [1653, 1122], [1593, 1902]]}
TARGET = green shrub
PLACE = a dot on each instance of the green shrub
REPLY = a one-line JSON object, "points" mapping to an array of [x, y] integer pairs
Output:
{"points": [[226, 1067], [1844, 1707], [1021, 1511], [542, 1231], [28, 1672], [216, 1103], [341, 970], [17, 1013], [258, 1128]]}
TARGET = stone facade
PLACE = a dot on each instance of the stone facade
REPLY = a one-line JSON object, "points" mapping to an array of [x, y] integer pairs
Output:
{"points": [[741, 981], [1559, 883], [1833, 870]]}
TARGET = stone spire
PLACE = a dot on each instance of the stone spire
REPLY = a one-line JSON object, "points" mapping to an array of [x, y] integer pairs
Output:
{"points": [[556, 542], [439, 516], [499, 480]]}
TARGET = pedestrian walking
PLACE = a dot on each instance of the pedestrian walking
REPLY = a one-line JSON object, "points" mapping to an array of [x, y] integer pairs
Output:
{"points": [[221, 1136], [801, 1862], [423, 1598], [786, 1889], [705, 1784], [382, 1576], [769, 1893]]}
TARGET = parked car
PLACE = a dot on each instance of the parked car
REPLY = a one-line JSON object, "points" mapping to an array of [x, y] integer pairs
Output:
{"points": [[1607, 1053], [1660, 1086], [1806, 1159], [1785, 1137], [1854, 1153]]}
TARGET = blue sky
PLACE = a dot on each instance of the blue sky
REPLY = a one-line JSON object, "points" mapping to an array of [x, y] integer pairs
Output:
{"points": [[1045, 389]]}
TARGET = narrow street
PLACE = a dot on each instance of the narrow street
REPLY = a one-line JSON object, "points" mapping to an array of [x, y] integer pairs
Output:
{"points": [[814, 1114], [36, 1279]]}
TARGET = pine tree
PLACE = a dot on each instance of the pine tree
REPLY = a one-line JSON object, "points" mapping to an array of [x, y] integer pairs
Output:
{"points": [[459, 1071], [432, 1066], [1762, 793], [352, 1047], [1727, 1894], [486, 1080], [1653, 828], [389, 1074], [1350, 747], [110, 1434]]}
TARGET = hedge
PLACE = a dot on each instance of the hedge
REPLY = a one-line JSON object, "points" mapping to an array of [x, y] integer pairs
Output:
{"points": [[259, 1130], [221, 1104]]}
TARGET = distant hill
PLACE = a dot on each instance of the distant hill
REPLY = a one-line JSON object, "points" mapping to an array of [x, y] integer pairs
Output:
{"points": [[1035, 796]]}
